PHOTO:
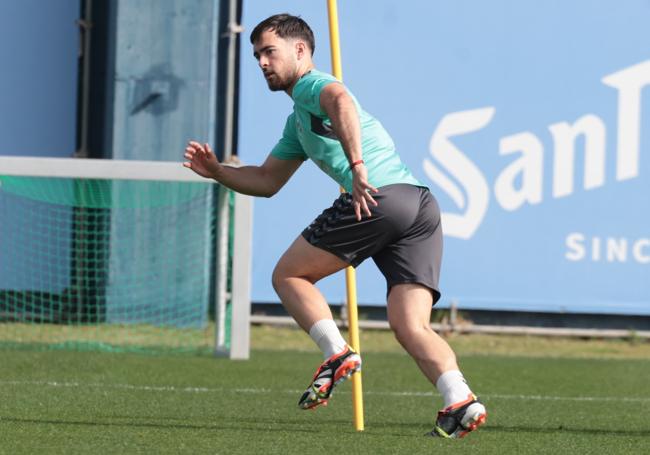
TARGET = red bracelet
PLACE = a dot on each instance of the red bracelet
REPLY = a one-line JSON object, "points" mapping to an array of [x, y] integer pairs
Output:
{"points": [[354, 163]]}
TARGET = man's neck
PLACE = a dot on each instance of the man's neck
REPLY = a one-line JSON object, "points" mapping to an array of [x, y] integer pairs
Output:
{"points": [[299, 75]]}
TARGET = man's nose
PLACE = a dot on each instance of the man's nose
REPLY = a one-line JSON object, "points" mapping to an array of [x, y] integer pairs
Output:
{"points": [[263, 62]]}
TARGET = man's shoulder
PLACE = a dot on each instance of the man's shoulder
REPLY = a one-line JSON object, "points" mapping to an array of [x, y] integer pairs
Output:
{"points": [[310, 85], [315, 74]]}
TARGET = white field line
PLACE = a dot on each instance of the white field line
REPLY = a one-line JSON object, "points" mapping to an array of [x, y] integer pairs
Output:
{"points": [[175, 389]]}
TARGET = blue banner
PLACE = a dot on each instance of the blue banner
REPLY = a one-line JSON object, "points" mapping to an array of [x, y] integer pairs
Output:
{"points": [[530, 123]]}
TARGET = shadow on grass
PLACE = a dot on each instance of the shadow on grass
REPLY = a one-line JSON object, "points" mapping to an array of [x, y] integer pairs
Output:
{"points": [[564, 429], [251, 424]]}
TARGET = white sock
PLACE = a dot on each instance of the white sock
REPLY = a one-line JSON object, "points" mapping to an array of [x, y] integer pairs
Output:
{"points": [[328, 338], [453, 387]]}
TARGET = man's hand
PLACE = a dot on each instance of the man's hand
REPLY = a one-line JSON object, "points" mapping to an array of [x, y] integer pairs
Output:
{"points": [[361, 191], [201, 160]]}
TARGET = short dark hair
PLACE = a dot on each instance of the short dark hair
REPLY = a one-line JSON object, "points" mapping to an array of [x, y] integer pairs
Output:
{"points": [[285, 26]]}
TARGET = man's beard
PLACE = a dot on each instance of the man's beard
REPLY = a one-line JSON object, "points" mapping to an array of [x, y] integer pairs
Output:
{"points": [[277, 84], [281, 82]]}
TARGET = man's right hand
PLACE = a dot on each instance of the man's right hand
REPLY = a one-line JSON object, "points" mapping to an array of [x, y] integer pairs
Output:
{"points": [[201, 160]]}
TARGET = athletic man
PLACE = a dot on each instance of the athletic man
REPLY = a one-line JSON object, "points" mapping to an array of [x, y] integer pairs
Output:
{"points": [[386, 214]]}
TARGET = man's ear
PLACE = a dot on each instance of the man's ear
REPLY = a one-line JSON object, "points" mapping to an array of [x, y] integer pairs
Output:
{"points": [[301, 49]]}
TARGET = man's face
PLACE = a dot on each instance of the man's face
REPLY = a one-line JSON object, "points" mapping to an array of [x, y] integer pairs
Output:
{"points": [[278, 60]]}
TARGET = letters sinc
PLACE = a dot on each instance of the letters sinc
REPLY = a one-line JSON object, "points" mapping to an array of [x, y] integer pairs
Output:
{"points": [[466, 186]]}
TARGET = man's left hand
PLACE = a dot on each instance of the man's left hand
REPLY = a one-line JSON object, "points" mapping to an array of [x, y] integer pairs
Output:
{"points": [[361, 189]]}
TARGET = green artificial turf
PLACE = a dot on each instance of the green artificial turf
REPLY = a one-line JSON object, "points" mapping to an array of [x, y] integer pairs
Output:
{"points": [[87, 402]]}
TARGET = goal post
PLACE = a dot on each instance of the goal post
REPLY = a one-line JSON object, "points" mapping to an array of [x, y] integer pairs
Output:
{"points": [[116, 255], [240, 294]]}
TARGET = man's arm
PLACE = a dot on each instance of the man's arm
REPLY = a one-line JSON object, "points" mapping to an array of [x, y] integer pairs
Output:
{"points": [[342, 112], [340, 108], [264, 180]]}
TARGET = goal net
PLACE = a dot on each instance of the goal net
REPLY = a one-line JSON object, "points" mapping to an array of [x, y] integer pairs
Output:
{"points": [[116, 255]]}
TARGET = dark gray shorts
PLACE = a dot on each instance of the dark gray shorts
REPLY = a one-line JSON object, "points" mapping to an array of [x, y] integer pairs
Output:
{"points": [[403, 236]]}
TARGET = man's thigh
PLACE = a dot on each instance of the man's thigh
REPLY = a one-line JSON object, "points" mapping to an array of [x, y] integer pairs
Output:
{"points": [[307, 261]]}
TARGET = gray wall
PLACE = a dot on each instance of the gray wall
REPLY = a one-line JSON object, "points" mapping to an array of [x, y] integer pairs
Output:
{"points": [[165, 73]]}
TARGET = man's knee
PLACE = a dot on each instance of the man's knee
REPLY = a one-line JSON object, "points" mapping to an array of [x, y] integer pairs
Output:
{"points": [[400, 334], [283, 272], [405, 331], [279, 276]]}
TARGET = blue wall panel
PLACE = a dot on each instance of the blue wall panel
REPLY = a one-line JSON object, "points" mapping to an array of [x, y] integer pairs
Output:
{"points": [[38, 81]]}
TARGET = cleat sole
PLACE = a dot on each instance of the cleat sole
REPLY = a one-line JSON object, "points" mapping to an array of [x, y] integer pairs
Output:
{"points": [[312, 405], [475, 422], [345, 371]]}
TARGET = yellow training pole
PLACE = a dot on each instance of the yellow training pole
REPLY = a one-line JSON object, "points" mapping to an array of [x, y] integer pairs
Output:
{"points": [[350, 275]]}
